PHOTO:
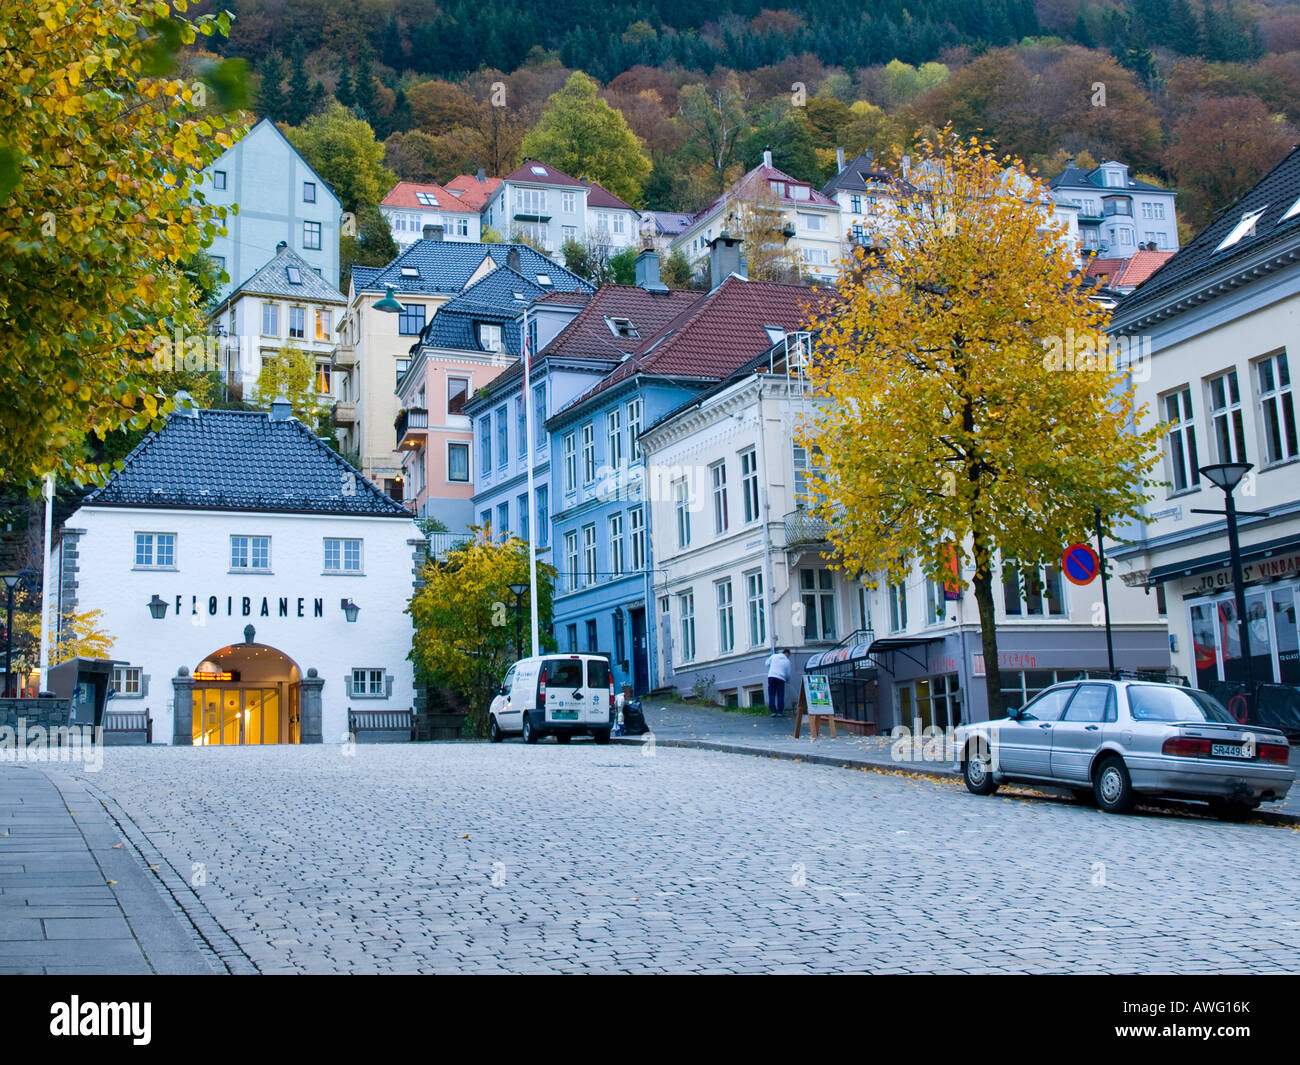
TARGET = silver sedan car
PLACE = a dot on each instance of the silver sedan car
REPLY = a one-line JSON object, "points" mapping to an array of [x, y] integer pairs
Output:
{"points": [[1112, 741]]}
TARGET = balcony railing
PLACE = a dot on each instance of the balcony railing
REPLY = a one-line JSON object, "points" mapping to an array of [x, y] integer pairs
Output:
{"points": [[345, 413], [804, 527], [412, 427], [345, 356]]}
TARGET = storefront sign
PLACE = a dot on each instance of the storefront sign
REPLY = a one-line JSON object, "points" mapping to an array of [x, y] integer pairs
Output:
{"points": [[213, 674], [1261, 570], [1006, 660], [247, 606]]}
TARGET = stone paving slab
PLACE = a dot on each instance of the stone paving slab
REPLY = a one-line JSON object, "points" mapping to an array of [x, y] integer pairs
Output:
{"points": [[74, 897]]}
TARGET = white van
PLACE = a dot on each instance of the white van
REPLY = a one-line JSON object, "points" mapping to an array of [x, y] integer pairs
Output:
{"points": [[558, 694]]}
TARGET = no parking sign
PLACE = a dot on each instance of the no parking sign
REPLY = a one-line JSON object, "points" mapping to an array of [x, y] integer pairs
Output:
{"points": [[1080, 564]]}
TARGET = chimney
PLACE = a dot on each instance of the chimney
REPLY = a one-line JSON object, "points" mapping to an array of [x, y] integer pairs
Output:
{"points": [[724, 258], [280, 247], [767, 158], [481, 176], [647, 271], [512, 258], [839, 160], [280, 409], [432, 232]]}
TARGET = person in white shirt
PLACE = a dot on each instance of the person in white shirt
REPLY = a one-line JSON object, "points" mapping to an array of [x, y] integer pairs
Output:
{"points": [[778, 672]]}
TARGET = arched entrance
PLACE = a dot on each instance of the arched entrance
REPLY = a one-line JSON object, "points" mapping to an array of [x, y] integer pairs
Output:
{"points": [[244, 694]]}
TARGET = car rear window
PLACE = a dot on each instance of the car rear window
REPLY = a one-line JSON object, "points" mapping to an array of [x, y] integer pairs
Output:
{"points": [[1154, 702], [597, 673], [564, 673]]}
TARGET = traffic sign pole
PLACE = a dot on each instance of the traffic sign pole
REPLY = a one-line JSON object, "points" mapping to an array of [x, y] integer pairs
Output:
{"points": [[1105, 598]]}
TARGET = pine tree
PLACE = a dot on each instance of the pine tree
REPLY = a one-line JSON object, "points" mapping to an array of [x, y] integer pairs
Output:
{"points": [[1182, 33], [270, 94], [390, 47], [364, 98], [298, 105], [1082, 35], [343, 90]]}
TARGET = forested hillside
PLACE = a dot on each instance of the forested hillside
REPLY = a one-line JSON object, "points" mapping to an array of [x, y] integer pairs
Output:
{"points": [[1202, 95]]}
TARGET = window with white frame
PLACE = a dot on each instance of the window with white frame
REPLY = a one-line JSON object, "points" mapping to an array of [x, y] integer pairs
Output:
{"points": [[817, 593], [686, 625], [539, 416], [521, 427], [1032, 591], [485, 444], [682, 507], [815, 256], [1226, 424], [342, 556], [636, 531], [589, 553], [897, 594], [588, 453], [749, 483], [126, 681], [155, 550], [270, 319], [1277, 408], [543, 516], [814, 223], [489, 337], [369, 683], [521, 504], [757, 608], [503, 437], [571, 559], [614, 438], [568, 202], [726, 616], [616, 544], [1180, 440], [570, 463], [718, 479], [503, 520], [634, 427], [297, 322], [250, 552]]}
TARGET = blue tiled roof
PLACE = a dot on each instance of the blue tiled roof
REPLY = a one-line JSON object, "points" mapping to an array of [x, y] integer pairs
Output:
{"points": [[241, 460], [490, 299], [447, 265]]}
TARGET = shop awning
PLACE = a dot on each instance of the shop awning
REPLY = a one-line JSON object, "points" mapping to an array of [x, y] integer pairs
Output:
{"points": [[1221, 559], [857, 651]]}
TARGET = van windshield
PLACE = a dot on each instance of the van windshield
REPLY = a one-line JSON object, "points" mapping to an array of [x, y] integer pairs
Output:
{"points": [[564, 673], [597, 673]]}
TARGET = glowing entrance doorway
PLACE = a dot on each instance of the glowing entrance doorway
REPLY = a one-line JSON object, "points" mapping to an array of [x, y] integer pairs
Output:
{"points": [[246, 693]]}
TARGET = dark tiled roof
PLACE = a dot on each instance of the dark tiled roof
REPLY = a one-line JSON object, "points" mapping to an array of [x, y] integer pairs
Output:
{"points": [[758, 180], [669, 223], [716, 334], [861, 175], [599, 196], [1276, 192], [589, 336], [524, 172], [241, 460], [445, 266], [273, 280], [1073, 177], [490, 299]]}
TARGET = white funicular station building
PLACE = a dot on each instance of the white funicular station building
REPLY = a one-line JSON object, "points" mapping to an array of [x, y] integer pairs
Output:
{"points": [[254, 582]]}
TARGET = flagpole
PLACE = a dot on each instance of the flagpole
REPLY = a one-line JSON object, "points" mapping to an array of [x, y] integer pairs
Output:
{"points": [[532, 503]]}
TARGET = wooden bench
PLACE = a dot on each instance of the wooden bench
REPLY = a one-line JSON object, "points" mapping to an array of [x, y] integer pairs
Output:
{"points": [[127, 728], [381, 726]]}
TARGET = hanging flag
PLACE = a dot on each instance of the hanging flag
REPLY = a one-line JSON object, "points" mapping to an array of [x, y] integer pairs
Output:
{"points": [[951, 574]]}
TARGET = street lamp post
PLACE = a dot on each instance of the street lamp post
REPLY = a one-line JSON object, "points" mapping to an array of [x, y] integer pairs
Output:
{"points": [[1227, 475], [517, 590], [11, 582]]}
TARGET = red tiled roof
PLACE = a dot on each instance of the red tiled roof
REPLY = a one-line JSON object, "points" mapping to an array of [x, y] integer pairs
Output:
{"points": [[589, 336], [550, 177], [473, 193], [719, 333], [1139, 268], [599, 196], [403, 195], [761, 175], [1103, 267]]}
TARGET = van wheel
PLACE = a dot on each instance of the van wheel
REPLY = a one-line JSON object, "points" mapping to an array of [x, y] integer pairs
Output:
{"points": [[977, 769], [494, 730], [1112, 786], [601, 735], [530, 733], [563, 737]]}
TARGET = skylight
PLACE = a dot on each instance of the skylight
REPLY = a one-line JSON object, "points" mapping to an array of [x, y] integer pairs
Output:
{"points": [[294, 274], [540, 171], [622, 327], [775, 333], [427, 198], [544, 280], [410, 271], [1291, 211], [1244, 228]]}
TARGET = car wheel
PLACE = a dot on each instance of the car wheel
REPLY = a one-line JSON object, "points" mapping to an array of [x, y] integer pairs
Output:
{"points": [[1112, 787], [494, 730], [1226, 810], [563, 737], [530, 733], [601, 735], [977, 769]]}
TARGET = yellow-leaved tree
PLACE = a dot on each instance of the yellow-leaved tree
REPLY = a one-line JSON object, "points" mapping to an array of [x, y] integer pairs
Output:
{"points": [[100, 150], [73, 633], [465, 618], [293, 372], [963, 402]]}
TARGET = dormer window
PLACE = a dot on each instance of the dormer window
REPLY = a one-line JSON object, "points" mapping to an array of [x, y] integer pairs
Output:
{"points": [[489, 337], [1244, 228], [622, 327], [774, 333]]}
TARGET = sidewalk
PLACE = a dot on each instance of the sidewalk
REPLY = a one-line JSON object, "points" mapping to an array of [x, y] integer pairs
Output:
{"points": [[75, 897], [711, 728]]}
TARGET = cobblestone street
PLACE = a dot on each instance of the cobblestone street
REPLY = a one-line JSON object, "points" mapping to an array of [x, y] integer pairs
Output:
{"points": [[473, 857]]}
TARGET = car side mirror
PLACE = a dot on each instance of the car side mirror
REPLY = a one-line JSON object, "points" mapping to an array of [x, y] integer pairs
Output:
{"points": [[1015, 714]]}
